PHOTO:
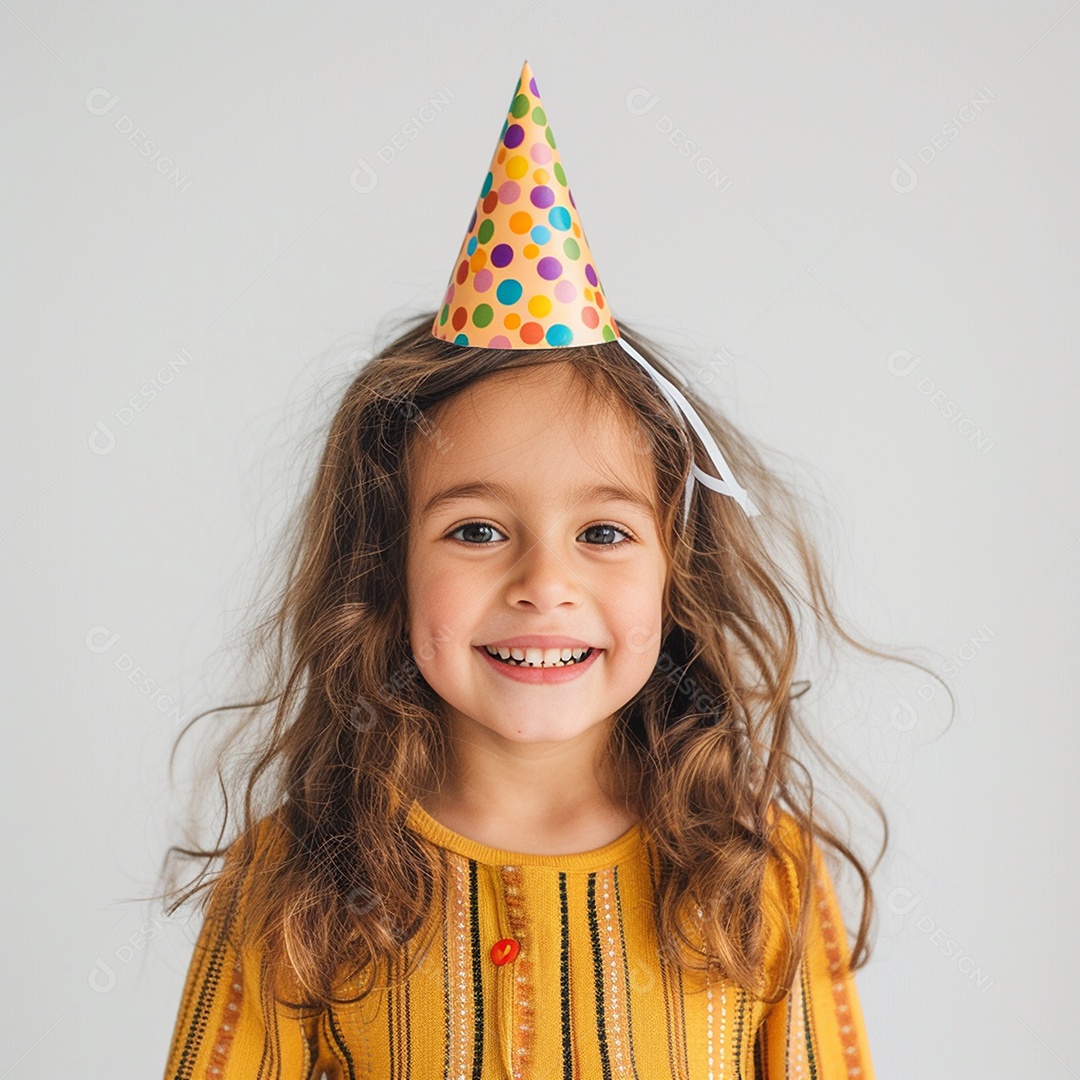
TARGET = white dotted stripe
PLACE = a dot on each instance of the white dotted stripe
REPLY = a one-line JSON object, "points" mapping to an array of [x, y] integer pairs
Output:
{"points": [[612, 957], [459, 1047]]}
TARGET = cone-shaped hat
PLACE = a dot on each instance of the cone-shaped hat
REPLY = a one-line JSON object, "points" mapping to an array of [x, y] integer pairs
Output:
{"points": [[525, 277]]}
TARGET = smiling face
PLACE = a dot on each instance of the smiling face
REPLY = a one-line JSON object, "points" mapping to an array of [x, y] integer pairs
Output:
{"points": [[535, 558]]}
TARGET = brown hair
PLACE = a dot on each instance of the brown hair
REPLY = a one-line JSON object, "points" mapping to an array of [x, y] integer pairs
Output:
{"points": [[353, 733]]}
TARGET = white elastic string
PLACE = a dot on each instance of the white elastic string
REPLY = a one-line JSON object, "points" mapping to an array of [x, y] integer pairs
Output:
{"points": [[729, 486]]}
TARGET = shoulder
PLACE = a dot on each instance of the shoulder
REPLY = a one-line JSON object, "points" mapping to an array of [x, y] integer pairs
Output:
{"points": [[791, 848], [249, 860], [793, 867]]}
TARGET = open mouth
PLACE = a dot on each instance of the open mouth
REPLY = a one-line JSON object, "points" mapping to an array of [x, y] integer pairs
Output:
{"points": [[538, 658]]}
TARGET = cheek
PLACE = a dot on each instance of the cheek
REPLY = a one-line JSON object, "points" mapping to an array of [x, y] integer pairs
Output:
{"points": [[441, 605], [636, 618]]}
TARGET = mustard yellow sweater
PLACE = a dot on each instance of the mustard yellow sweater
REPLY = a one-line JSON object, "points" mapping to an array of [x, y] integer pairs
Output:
{"points": [[545, 967]]}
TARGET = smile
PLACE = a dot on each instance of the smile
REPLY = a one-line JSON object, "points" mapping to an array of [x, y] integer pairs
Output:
{"points": [[538, 658], [539, 666]]}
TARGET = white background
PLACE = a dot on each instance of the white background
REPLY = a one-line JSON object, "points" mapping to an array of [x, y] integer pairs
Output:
{"points": [[140, 491]]}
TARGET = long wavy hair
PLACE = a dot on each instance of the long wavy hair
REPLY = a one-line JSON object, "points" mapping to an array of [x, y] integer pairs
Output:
{"points": [[344, 732]]}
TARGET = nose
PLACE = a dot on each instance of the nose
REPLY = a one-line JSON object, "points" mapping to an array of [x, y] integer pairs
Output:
{"points": [[545, 578]]}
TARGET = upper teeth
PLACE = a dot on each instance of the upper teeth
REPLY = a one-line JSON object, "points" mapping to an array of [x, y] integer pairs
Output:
{"points": [[537, 657]]}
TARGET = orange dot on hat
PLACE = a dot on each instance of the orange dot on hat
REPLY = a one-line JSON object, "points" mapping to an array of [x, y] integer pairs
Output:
{"points": [[521, 222], [512, 321], [530, 251], [478, 261], [541, 176]]}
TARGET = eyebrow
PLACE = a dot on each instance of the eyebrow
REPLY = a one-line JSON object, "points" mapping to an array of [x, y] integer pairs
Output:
{"points": [[583, 493]]}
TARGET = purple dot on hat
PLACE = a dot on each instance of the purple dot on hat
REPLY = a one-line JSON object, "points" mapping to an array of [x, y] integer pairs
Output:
{"points": [[509, 191], [570, 196], [542, 196], [532, 87], [540, 153], [472, 221], [515, 136], [482, 281], [499, 341], [564, 291], [502, 255], [548, 268], [590, 273]]}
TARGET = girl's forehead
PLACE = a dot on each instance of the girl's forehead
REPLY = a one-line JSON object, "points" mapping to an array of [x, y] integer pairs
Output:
{"points": [[542, 425], [545, 392]]}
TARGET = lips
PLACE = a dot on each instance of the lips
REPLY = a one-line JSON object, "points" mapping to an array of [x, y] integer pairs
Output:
{"points": [[526, 674]]}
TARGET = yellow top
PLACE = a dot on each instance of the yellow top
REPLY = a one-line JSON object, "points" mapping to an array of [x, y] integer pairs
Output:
{"points": [[545, 967]]}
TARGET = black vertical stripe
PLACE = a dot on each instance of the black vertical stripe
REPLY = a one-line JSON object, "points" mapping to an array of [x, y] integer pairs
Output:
{"points": [[598, 979], [564, 981], [391, 1004], [336, 1039], [681, 999], [739, 1030], [477, 970], [270, 1064], [626, 971], [654, 873], [208, 985], [789, 1008], [811, 1053], [408, 1014], [760, 1067], [448, 995]]}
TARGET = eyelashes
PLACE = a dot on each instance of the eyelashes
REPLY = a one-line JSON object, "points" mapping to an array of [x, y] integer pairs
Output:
{"points": [[599, 525]]}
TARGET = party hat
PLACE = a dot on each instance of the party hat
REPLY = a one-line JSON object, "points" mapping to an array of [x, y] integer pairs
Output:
{"points": [[525, 277]]}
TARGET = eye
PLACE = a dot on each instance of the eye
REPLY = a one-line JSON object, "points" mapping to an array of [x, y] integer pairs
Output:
{"points": [[607, 527]]}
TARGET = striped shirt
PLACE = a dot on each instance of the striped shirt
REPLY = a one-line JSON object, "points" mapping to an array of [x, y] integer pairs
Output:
{"points": [[540, 967]]}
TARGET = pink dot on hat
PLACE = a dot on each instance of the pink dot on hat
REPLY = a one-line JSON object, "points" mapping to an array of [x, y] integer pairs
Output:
{"points": [[509, 192]]}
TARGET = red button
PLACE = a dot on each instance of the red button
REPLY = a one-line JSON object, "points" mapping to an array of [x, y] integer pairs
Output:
{"points": [[502, 952]]}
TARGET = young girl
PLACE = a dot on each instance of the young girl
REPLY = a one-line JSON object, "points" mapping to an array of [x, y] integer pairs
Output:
{"points": [[528, 804]]}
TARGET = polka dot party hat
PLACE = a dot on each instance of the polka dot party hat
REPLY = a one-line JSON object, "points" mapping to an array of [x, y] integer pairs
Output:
{"points": [[525, 277]]}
